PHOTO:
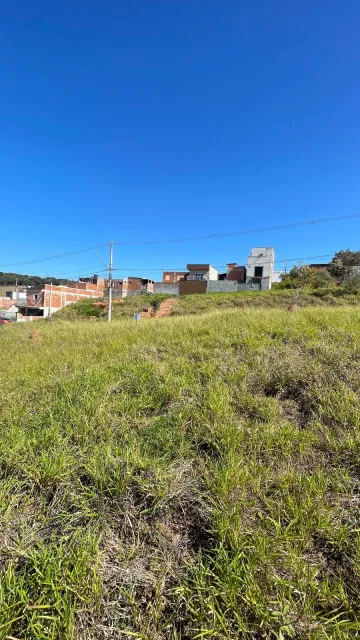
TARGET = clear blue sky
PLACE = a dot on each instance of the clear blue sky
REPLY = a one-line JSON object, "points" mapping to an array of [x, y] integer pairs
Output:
{"points": [[145, 119]]}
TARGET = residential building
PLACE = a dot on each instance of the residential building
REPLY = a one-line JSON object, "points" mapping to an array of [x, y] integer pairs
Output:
{"points": [[131, 286], [43, 300], [197, 278], [235, 272], [172, 277], [138, 286], [202, 272], [261, 266], [321, 266], [119, 285]]}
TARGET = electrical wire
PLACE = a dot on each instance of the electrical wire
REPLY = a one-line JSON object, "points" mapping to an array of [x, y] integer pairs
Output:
{"points": [[242, 233], [191, 238], [60, 255], [223, 266]]}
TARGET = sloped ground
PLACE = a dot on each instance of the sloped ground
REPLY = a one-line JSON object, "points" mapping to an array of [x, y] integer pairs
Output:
{"points": [[188, 478], [166, 308], [204, 303]]}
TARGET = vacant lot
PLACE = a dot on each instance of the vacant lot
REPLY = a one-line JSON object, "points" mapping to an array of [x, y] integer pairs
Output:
{"points": [[199, 303], [193, 477]]}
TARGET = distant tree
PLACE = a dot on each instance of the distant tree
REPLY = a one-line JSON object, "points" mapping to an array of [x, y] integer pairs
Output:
{"points": [[352, 283], [321, 278], [342, 263], [338, 269], [300, 275], [9, 280], [347, 258]]}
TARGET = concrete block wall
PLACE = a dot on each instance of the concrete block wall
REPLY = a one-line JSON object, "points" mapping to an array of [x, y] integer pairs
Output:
{"points": [[138, 292], [231, 286], [166, 288], [265, 284], [249, 286], [221, 286]]}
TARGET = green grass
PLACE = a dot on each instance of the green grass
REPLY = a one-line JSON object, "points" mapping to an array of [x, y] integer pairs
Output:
{"points": [[123, 309], [201, 303], [193, 477], [194, 304]]}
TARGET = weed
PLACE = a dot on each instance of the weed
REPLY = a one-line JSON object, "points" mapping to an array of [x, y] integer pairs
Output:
{"points": [[197, 477]]}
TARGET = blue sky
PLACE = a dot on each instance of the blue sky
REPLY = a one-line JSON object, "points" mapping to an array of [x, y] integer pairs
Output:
{"points": [[146, 119]]}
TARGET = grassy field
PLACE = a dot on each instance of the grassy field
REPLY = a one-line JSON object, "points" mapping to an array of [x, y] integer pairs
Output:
{"points": [[200, 303], [193, 477]]}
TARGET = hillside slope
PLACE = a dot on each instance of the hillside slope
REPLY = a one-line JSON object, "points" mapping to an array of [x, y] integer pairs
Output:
{"points": [[188, 478], [197, 304]]}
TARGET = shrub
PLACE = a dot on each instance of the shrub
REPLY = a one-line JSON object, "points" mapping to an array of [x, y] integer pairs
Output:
{"points": [[321, 279]]}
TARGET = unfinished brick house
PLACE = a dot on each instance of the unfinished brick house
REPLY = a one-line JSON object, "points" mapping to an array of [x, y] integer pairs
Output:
{"points": [[235, 272], [131, 286], [43, 300], [172, 277], [138, 286]]}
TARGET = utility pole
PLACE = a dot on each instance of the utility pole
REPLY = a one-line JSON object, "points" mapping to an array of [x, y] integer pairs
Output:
{"points": [[110, 281], [16, 288], [286, 265], [50, 301]]}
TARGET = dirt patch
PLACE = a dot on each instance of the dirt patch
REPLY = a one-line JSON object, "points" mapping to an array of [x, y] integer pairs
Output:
{"points": [[166, 307]]}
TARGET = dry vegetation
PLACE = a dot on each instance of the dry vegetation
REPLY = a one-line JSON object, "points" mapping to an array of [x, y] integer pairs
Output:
{"points": [[186, 478], [200, 303]]}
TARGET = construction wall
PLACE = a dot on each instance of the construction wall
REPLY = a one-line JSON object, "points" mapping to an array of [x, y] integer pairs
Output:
{"points": [[221, 286], [167, 289], [62, 295], [187, 287], [138, 292], [6, 303], [250, 285]]}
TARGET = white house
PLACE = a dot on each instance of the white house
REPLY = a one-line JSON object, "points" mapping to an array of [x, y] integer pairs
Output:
{"points": [[261, 265], [202, 272]]}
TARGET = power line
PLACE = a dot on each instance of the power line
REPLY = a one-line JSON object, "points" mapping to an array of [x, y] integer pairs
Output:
{"points": [[242, 233], [87, 272], [64, 274], [192, 238], [59, 255], [218, 266]]}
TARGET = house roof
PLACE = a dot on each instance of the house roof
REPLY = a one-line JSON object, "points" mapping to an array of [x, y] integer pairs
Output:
{"points": [[201, 267]]}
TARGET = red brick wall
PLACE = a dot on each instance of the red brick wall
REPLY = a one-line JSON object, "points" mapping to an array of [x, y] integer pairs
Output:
{"points": [[237, 273], [5, 303], [30, 298], [173, 277], [63, 295], [134, 284]]}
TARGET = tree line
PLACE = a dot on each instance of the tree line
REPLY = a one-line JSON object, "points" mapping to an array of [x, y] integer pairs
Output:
{"points": [[340, 271], [9, 280]]}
